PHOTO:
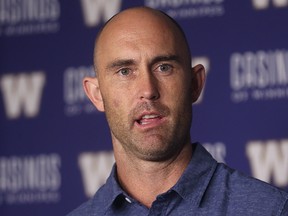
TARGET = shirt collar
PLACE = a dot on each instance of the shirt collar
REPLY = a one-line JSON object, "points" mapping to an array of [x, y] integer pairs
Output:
{"points": [[114, 191], [196, 177], [191, 185]]}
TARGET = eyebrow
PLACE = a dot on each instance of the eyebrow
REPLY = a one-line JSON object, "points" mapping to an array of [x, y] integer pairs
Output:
{"points": [[120, 63], [128, 62], [165, 58]]}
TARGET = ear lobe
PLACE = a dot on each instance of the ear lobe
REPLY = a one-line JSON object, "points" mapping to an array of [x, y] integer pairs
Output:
{"points": [[198, 80], [92, 90]]}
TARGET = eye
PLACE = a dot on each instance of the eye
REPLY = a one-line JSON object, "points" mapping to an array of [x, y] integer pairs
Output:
{"points": [[124, 71], [164, 68]]}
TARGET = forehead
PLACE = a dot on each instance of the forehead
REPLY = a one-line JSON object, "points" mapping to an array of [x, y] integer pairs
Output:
{"points": [[138, 31], [138, 19]]}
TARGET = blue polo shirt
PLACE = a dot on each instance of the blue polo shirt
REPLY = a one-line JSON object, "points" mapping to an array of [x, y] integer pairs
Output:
{"points": [[205, 188]]}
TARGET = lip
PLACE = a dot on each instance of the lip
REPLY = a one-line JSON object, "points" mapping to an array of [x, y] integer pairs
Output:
{"points": [[149, 120]]}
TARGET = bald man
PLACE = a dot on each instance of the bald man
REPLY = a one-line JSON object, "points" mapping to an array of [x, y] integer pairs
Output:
{"points": [[145, 85]]}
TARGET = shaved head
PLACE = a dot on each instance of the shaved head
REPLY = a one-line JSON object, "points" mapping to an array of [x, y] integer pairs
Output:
{"points": [[137, 18]]}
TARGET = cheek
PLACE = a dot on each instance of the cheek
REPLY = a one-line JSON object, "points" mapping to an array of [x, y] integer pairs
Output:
{"points": [[110, 97], [180, 88], [180, 95], [116, 103]]}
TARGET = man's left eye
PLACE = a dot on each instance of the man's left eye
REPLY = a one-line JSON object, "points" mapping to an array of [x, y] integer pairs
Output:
{"points": [[165, 67]]}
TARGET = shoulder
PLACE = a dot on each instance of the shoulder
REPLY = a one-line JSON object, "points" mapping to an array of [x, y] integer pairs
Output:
{"points": [[102, 199], [249, 192], [92, 207], [242, 183], [82, 210]]}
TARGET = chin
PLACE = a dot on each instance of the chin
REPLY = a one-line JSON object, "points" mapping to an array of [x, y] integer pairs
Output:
{"points": [[157, 152]]}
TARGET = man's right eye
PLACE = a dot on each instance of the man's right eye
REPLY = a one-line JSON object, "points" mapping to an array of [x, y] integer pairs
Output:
{"points": [[124, 71]]}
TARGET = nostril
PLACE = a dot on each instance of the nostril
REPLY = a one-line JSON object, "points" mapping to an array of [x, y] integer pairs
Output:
{"points": [[155, 97], [151, 96]]}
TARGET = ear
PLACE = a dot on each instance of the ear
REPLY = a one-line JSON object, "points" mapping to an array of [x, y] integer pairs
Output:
{"points": [[92, 90], [198, 80]]}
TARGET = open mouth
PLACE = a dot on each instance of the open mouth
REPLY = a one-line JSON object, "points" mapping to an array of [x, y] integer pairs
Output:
{"points": [[148, 119]]}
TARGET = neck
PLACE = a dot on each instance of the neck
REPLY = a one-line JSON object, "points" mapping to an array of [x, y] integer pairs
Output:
{"points": [[157, 177]]}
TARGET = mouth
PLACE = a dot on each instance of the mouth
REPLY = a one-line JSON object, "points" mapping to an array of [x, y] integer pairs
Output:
{"points": [[149, 119]]}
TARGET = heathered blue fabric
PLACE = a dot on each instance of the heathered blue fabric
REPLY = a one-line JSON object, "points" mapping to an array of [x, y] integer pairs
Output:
{"points": [[205, 188]]}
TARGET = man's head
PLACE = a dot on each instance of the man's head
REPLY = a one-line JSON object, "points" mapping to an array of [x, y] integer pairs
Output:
{"points": [[145, 83]]}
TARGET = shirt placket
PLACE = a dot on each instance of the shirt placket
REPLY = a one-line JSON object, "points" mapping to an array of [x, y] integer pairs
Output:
{"points": [[159, 207]]}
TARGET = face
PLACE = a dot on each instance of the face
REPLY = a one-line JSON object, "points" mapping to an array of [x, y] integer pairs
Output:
{"points": [[145, 86]]}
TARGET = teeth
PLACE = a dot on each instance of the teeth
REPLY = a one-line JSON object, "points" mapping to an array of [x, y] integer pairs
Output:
{"points": [[145, 119], [149, 116], [143, 123]]}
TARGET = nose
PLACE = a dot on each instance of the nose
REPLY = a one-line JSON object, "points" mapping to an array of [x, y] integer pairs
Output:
{"points": [[148, 86]]}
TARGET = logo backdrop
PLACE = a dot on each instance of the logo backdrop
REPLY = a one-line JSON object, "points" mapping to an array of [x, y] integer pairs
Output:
{"points": [[55, 147]]}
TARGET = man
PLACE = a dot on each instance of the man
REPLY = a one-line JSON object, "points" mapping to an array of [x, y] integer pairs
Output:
{"points": [[146, 87]]}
